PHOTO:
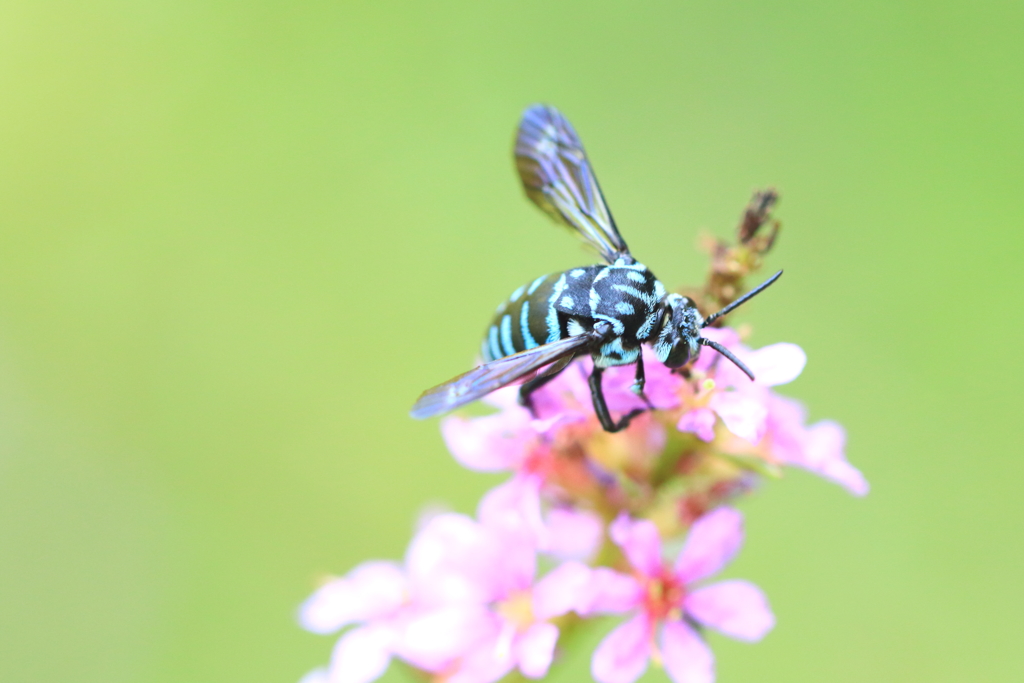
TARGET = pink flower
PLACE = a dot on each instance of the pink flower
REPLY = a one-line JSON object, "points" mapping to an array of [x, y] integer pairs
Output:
{"points": [[373, 596], [818, 448], [663, 386], [509, 609], [740, 403], [427, 612], [700, 421], [492, 443], [773, 423], [465, 604], [663, 598], [518, 632], [565, 428], [564, 532], [759, 421]]}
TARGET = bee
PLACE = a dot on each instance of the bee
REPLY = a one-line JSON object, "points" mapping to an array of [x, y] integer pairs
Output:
{"points": [[607, 311]]}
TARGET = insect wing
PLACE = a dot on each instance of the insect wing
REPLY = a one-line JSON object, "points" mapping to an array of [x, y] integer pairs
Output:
{"points": [[477, 383], [558, 178]]}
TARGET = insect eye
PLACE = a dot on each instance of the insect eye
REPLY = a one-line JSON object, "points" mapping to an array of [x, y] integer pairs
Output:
{"points": [[679, 355]]}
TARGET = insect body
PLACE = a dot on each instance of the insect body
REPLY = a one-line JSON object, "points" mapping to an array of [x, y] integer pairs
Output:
{"points": [[607, 311], [625, 295]]}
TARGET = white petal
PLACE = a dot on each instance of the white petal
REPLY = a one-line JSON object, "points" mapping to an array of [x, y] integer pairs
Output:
{"points": [[743, 414], [433, 639], [536, 648], [453, 560], [488, 662], [361, 655], [776, 364], [370, 591]]}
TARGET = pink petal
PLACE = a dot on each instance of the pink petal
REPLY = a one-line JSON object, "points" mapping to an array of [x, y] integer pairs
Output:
{"points": [[361, 655], [616, 385], [567, 587], [535, 649], [725, 336], [491, 443], [622, 656], [573, 534], [506, 398], [819, 449], [687, 657], [370, 591], [738, 609], [516, 567], [700, 422], [487, 663], [662, 385], [786, 419], [453, 559], [824, 446], [431, 640], [514, 507], [611, 593], [776, 364], [640, 542], [512, 513], [743, 414], [568, 394], [713, 541]]}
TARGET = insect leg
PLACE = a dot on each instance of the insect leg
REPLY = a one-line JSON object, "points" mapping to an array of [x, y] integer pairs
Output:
{"points": [[601, 408], [527, 389], [639, 381]]}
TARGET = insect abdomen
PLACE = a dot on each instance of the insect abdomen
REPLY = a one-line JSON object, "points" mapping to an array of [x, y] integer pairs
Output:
{"points": [[540, 312]]}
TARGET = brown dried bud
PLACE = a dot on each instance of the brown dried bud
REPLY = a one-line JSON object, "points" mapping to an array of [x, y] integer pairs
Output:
{"points": [[731, 263]]}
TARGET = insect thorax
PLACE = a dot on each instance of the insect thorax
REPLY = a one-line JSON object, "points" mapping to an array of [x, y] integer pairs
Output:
{"points": [[625, 295]]}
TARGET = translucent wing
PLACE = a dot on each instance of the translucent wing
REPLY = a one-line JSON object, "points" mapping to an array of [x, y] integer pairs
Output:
{"points": [[558, 178], [477, 383]]}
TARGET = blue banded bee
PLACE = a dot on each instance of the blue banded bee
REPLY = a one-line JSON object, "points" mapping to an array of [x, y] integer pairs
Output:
{"points": [[607, 311]]}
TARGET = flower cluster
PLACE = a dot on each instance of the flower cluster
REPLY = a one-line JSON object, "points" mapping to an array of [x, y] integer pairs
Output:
{"points": [[580, 528], [469, 604]]}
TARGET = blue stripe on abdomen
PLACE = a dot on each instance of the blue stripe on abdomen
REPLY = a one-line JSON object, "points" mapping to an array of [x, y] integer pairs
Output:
{"points": [[506, 335], [554, 329], [524, 326], [492, 338], [535, 284]]}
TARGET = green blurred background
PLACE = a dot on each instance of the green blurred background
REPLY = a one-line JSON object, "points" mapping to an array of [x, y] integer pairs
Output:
{"points": [[238, 238]]}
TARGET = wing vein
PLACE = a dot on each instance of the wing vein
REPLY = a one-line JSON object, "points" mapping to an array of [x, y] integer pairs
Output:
{"points": [[558, 178], [488, 377]]}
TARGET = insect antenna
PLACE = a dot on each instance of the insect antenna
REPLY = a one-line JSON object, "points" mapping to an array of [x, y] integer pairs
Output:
{"points": [[715, 316], [742, 300], [728, 354]]}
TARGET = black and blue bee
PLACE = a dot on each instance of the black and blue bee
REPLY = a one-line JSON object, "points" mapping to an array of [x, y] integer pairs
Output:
{"points": [[606, 311]]}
